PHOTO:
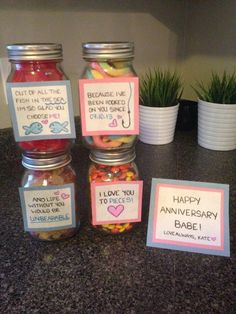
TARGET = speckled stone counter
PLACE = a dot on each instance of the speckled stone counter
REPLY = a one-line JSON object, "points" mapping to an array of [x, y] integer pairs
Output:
{"points": [[96, 273]]}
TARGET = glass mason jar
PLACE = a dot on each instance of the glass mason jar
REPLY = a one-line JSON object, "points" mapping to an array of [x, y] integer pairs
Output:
{"points": [[112, 167], [38, 63], [106, 60], [48, 197]]}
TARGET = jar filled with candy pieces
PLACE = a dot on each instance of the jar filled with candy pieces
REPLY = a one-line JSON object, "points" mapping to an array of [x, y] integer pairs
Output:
{"points": [[38, 63], [48, 197], [109, 60], [113, 167]]}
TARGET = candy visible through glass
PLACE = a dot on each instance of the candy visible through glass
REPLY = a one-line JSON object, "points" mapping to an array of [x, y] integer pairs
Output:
{"points": [[58, 177], [40, 71], [101, 67]]}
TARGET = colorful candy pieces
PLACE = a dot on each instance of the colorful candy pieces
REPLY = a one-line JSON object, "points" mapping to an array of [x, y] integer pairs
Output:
{"points": [[53, 235], [103, 173], [56, 145], [117, 228]]}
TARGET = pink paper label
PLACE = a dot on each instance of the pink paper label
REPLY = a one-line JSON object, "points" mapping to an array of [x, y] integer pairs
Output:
{"points": [[197, 212], [109, 106], [189, 216], [116, 202]]}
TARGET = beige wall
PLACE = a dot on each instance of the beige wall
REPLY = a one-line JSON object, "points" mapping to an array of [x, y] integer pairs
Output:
{"points": [[193, 36], [210, 40]]}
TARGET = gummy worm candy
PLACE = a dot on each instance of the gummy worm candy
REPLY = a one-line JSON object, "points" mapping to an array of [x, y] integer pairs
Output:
{"points": [[98, 141], [101, 70], [114, 72]]}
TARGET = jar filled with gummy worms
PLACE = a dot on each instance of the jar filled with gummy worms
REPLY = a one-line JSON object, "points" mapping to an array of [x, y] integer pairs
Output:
{"points": [[38, 63], [112, 167], [48, 197], [109, 60]]}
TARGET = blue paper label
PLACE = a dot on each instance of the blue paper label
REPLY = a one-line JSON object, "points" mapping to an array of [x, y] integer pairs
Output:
{"points": [[48, 208], [41, 110]]}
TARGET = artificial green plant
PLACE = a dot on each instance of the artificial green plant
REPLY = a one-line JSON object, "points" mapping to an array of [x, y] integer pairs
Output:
{"points": [[160, 88], [221, 89]]}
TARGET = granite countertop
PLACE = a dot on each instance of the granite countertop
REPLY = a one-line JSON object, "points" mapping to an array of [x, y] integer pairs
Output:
{"points": [[97, 273]]}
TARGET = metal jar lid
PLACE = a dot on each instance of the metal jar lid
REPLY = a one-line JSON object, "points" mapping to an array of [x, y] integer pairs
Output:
{"points": [[108, 50], [44, 51], [112, 158], [49, 163]]}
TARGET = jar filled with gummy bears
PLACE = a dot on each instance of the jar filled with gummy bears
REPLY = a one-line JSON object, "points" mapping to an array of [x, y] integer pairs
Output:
{"points": [[115, 191], [109, 63], [48, 197], [38, 100]]}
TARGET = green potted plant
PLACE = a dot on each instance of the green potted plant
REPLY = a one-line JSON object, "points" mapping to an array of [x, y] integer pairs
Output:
{"points": [[160, 92], [217, 112]]}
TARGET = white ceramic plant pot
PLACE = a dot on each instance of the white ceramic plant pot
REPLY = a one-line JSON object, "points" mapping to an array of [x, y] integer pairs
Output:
{"points": [[157, 124], [216, 126]]}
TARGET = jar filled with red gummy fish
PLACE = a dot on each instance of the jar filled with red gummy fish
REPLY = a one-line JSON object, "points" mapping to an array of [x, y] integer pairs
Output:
{"points": [[32, 63], [115, 191], [109, 62], [48, 197]]}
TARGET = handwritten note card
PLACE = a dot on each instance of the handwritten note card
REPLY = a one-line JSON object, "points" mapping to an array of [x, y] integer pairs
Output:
{"points": [[41, 110], [189, 216], [109, 106], [48, 208], [118, 202]]}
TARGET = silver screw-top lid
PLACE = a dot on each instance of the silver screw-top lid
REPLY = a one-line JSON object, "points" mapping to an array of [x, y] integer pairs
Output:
{"points": [[46, 163], [47, 51], [112, 158], [108, 50]]}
